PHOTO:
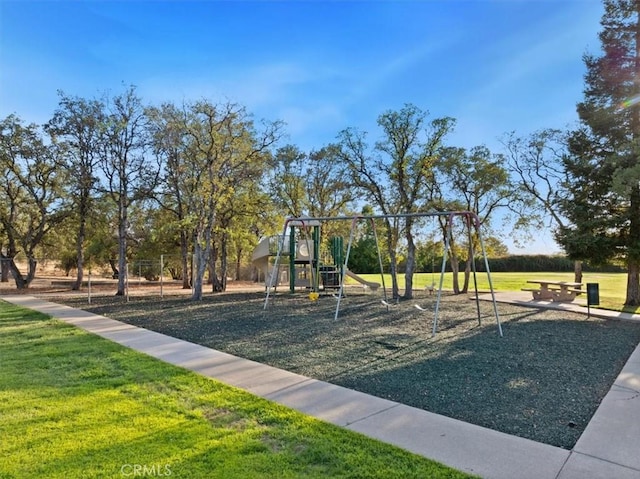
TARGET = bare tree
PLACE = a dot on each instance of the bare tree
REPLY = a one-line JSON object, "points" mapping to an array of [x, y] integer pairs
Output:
{"points": [[537, 170], [398, 176], [78, 122], [130, 175]]}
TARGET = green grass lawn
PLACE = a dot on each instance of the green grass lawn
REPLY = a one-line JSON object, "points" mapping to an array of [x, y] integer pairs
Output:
{"points": [[74, 405], [612, 287]]}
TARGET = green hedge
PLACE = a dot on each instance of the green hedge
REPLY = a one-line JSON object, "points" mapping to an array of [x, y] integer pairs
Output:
{"points": [[526, 263], [535, 263]]}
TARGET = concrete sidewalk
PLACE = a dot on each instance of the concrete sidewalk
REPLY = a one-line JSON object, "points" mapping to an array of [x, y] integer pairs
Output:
{"points": [[608, 448]]}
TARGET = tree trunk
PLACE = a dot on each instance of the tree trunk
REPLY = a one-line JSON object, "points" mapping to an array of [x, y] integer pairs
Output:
{"points": [[184, 259], [31, 271], [17, 275], [633, 284], [467, 276], [122, 257], [238, 264], [633, 258], [114, 268], [577, 271], [455, 269], [454, 261], [4, 269], [393, 270], [224, 263], [212, 266], [23, 282], [216, 283], [80, 252], [200, 259]]}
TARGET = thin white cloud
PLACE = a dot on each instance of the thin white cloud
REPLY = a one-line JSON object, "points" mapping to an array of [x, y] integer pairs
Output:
{"points": [[387, 70]]}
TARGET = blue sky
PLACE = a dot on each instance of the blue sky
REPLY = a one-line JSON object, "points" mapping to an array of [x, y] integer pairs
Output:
{"points": [[321, 66]]}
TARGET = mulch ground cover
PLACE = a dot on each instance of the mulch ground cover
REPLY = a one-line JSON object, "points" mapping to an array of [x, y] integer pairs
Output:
{"points": [[543, 380]]}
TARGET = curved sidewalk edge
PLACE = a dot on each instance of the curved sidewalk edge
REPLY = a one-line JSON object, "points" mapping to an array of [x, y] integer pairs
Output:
{"points": [[464, 446], [609, 447]]}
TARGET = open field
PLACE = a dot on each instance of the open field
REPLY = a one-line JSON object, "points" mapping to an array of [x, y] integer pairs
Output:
{"points": [[543, 380], [73, 405], [612, 286]]}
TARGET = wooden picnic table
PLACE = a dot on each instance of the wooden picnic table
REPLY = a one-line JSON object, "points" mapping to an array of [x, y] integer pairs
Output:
{"points": [[554, 290]]}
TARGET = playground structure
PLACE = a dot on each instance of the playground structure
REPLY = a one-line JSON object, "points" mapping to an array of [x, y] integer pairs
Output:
{"points": [[294, 258], [303, 255]]}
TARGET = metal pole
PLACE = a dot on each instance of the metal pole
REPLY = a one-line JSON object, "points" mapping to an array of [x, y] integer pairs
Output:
{"points": [[276, 265], [384, 286], [161, 275], [89, 287], [486, 265], [292, 260], [305, 228], [444, 264], [316, 257], [473, 266], [344, 269]]}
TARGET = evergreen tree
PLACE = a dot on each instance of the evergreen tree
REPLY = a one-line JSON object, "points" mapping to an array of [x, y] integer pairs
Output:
{"points": [[603, 167]]}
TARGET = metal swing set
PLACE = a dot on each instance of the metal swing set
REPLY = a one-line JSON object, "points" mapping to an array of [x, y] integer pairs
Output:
{"points": [[471, 222]]}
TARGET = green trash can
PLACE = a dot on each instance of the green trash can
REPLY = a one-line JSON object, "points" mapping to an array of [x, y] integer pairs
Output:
{"points": [[593, 294]]}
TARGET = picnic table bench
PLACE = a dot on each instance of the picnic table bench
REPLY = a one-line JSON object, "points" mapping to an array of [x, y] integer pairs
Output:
{"points": [[554, 290]]}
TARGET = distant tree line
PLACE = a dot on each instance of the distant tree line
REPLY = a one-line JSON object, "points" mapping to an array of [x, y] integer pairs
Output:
{"points": [[543, 263]]}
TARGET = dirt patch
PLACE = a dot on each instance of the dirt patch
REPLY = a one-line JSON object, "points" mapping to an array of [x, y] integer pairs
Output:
{"points": [[543, 380], [56, 284]]}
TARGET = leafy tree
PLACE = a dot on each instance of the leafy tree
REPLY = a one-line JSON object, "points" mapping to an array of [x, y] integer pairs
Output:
{"points": [[102, 235], [603, 168], [286, 181], [329, 189], [152, 234], [245, 229], [315, 184], [31, 195], [224, 152], [130, 175], [480, 183], [495, 247], [167, 127], [397, 177], [236, 214], [78, 122]]}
